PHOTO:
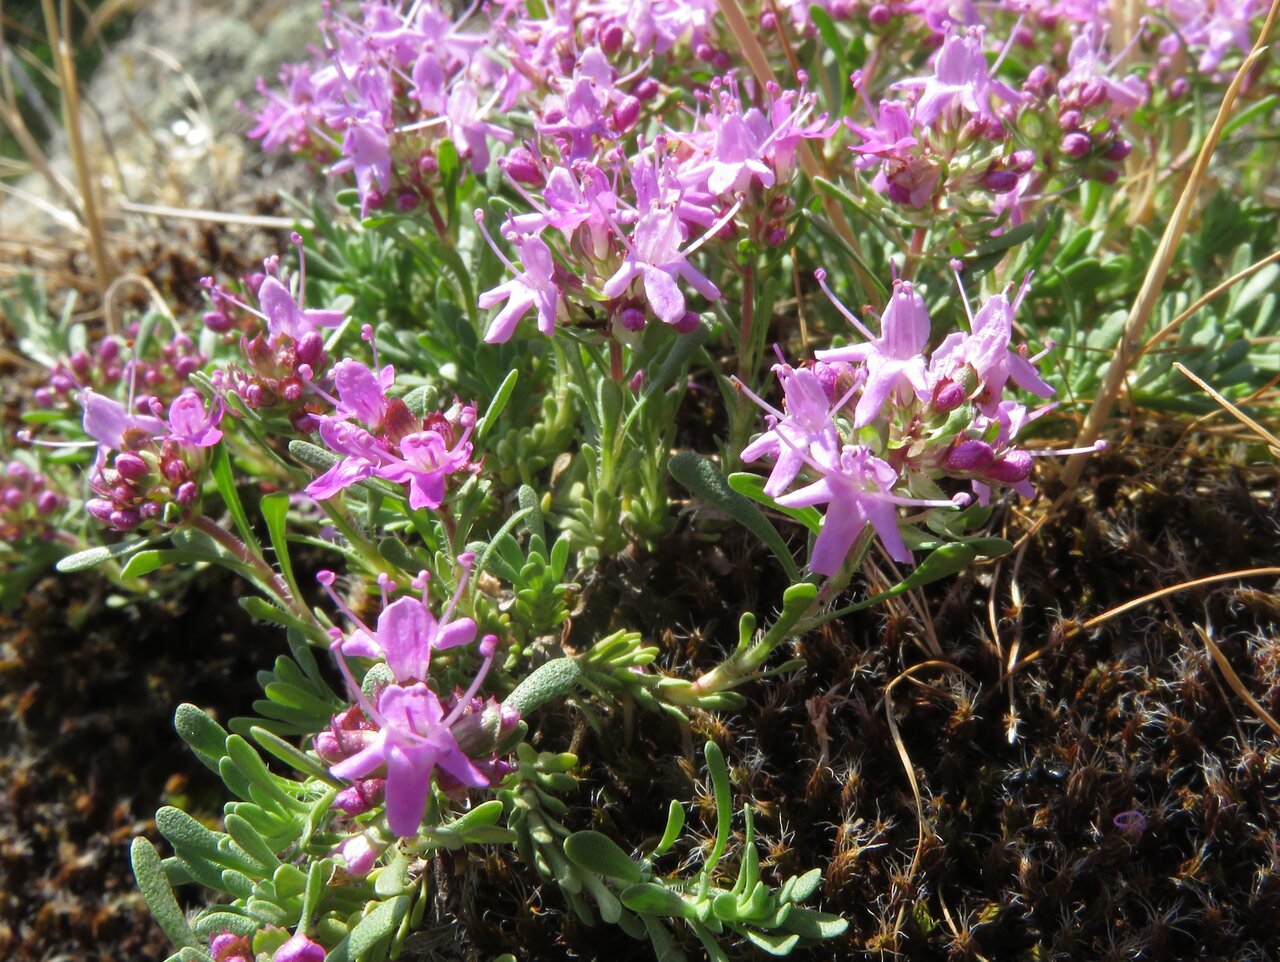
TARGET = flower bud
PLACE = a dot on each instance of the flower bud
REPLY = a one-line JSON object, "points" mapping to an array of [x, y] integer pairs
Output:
{"points": [[879, 15], [947, 396], [687, 324], [358, 853], [611, 39], [1010, 469], [47, 502], [131, 466], [1070, 120], [969, 455], [768, 22], [522, 167], [300, 949], [1021, 161], [1119, 150], [125, 520], [360, 797], [1000, 181], [406, 201], [646, 89], [229, 947], [1076, 144], [12, 498], [187, 493], [626, 114]]}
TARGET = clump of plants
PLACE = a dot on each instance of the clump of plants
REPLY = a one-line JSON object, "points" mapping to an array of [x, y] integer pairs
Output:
{"points": [[606, 293]]}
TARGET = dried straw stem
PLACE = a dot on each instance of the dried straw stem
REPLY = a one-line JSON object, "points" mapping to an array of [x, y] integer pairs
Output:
{"points": [[1145, 302]]}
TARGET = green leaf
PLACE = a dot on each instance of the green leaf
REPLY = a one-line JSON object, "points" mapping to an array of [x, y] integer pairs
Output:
{"points": [[312, 455], [719, 773], [649, 898], [92, 557], [705, 480], [805, 885], [213, 923], [549, 681], [809, 924], [250, 763], [200, 731], [226, 482], [675, 823], [598, 853], [752, 486], [500, 399], [376, 927], [275, 510], [772, 942], [292, 756], [248, 838], [149, 872]]}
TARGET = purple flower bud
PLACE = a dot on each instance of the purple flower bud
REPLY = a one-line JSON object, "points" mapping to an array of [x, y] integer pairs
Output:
{"points": [[1076, 144], [173, 469], [1119, 150], [969, 455], [1010, 469], [1069, 120], [646, 89], [151, 510], [217, 322], [131, 466], [637, 381], [109, 349], [522, 167], [80, 363], [291, 392], [124, 520], [687, 324], [44, 397], [1000, 181], [310, 349], [632, 318], [187, 493], [1023, 37], [360, 797], [406, 201], [721, 60], [626, 114], [776, 237], [12, 498], [300, 949], [100, 509], [611, 38], [61, 383], [358, 853], [1178, 89], [1021, 161], [47, 502], [254, 396], [842, 9], [229, 947], [1038, 79], [185, 366], [879, 15], [768, 22], [1107, 175], [703, 51], [947, 396], [17, 471]]}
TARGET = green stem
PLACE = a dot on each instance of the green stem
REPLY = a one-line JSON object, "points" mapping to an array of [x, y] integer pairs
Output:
{"points": [[267, 576]]}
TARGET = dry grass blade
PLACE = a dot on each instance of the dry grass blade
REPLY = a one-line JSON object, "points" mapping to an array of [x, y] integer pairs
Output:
{"points": [[215, 216], [1106, 616], [68, 86], [1234, 411], [1200, 302], [1153, 283], [1234, 681]]}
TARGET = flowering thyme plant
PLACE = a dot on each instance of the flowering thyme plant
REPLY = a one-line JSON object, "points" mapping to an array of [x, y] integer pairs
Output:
{"points": [[538, 318]]}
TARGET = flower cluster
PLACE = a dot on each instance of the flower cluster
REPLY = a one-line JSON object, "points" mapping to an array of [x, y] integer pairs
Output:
{"points": [[940, 139], [395, 742], [149, 465], [162, 370], [281, 343], [884, 424], [27, 503], [377, 436]]}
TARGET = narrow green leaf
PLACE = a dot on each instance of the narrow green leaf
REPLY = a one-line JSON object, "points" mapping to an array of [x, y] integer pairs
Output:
{"points": [[675, 823], [275, 511], [500, 399], [752, 486], [376, 927], [529, 502], [650, 898], [548, 681], [251, 764], [719, 773], [805, 885], [200, 731], [149, 872], [772, 942], [92, 557], [705, 480], [291, 756], [226, 483], [248, 838]]}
